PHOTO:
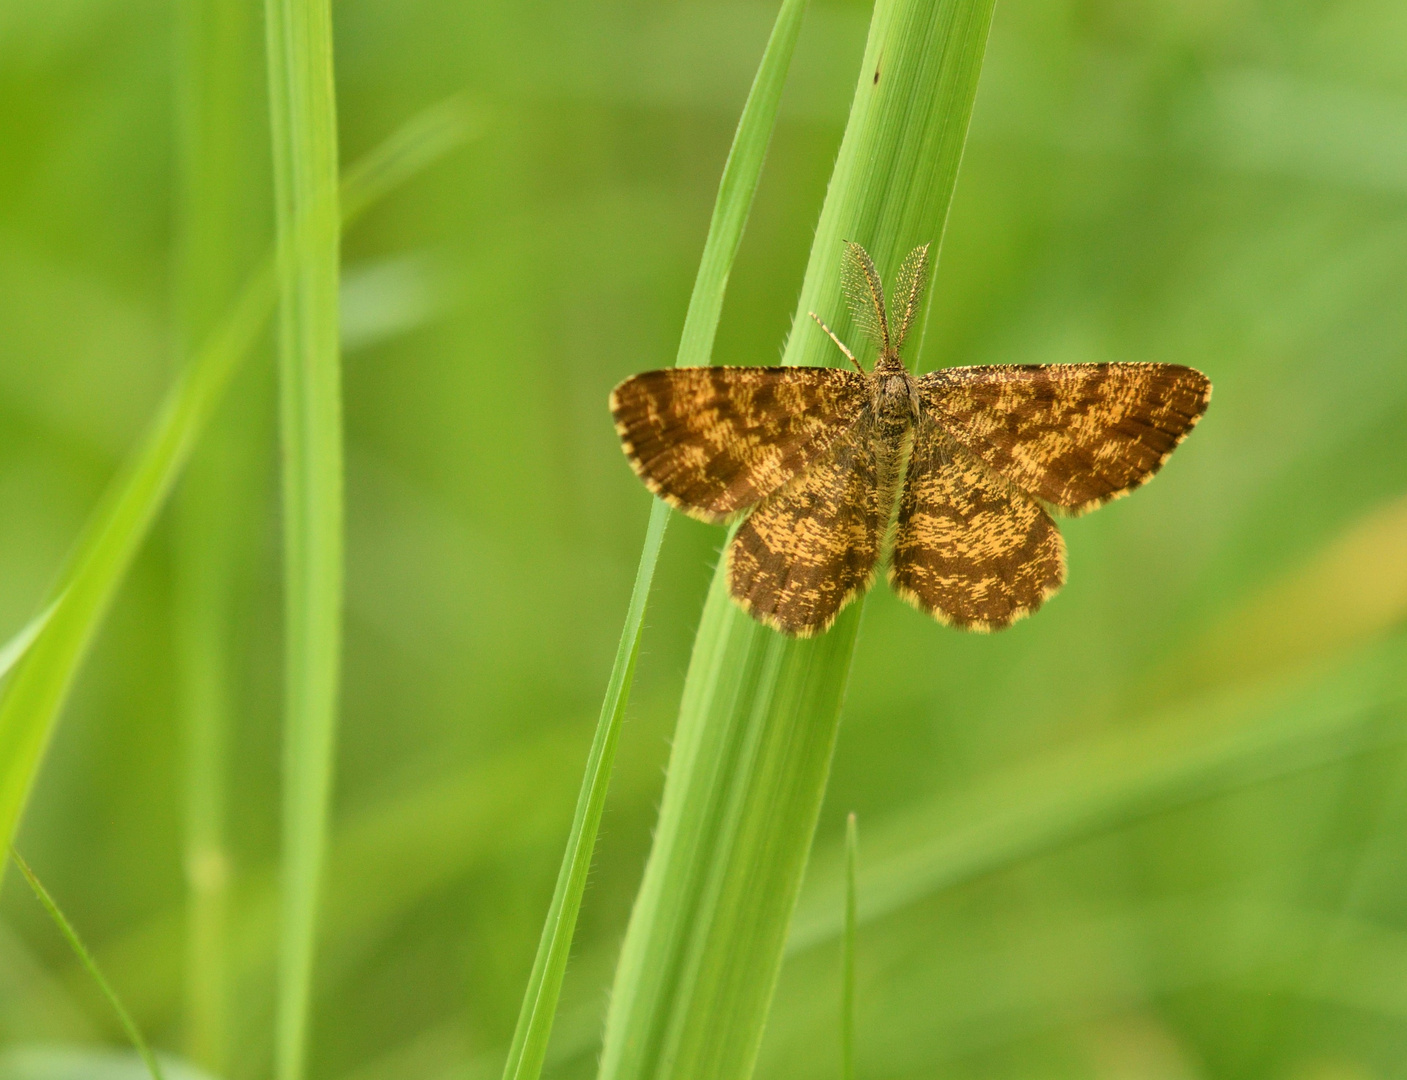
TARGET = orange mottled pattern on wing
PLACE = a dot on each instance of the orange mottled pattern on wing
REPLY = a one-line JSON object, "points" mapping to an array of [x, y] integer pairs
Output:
{"points": [[970, 549], [821, 454], [1073, 435], [812, 547], [712, 441]]}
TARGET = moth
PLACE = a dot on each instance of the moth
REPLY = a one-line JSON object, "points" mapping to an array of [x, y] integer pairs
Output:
{"points": [[956, 473]]}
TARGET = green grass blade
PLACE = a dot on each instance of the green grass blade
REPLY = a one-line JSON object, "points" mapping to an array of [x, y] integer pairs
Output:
{"points": [[223, 184], [847, 955], [741, 174], [14, 649], [303, 119], [115, 530], [111, 537], [529, 1047], [76, 943], [759, 714]]}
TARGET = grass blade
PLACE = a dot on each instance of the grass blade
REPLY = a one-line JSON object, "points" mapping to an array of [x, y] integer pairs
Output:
{"points": [[223, 184], [758, 719], [76, 943], [741, 174], [14, 649], [114, 532], [529, 1047], [119, 523], [847, 955], [303, 119]]}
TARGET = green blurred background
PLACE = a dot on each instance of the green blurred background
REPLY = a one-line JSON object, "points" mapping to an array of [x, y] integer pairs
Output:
{"points": [[1154, 832]]}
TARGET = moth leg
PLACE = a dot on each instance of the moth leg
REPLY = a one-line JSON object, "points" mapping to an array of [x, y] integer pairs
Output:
{"points": [[812, 547], [969, 549], [839, 344]]}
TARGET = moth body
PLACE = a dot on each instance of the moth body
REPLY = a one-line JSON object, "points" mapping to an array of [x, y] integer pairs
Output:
{"points": [[894, 403], [895, 397]]}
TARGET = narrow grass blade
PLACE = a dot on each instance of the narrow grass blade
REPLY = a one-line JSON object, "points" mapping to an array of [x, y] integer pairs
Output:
{"points": [[224, 200], [303, 119], [529, 1047], [115, 530], [76, 943], [759, 715], [735, 193], [847, 960], [17, 646]]}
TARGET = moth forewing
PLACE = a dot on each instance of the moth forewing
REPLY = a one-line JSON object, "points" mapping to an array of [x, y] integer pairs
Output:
{"points": [[714, 441]]}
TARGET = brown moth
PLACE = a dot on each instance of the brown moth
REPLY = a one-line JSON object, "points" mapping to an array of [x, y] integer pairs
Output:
{"points": [[974, 457]]}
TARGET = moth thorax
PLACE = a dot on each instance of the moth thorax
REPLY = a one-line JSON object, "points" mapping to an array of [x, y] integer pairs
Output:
{"points": [[894, 398]]}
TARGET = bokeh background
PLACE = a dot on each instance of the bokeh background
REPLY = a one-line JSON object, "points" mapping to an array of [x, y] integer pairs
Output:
{"points": [[1154, 832]]}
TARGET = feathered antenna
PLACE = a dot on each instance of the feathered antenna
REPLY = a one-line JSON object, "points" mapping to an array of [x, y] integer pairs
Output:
{"points": [[907, 294], [860, 280]]}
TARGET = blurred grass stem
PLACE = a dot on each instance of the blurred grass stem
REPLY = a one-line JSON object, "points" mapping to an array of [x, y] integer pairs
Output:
{"points": [[81, 951], [13, 650], [221, 229], [114, 531], [303, 121]]}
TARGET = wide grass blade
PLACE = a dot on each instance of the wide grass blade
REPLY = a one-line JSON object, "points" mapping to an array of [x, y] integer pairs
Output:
{"points": [[303, 119], [759, 715], [115, 530], [735, 193], [80, 950]]}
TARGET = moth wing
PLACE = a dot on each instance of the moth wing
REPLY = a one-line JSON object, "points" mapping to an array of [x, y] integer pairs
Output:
{"points": [[811, 548], [969, 549], [712, 441], [1073, 435]]}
